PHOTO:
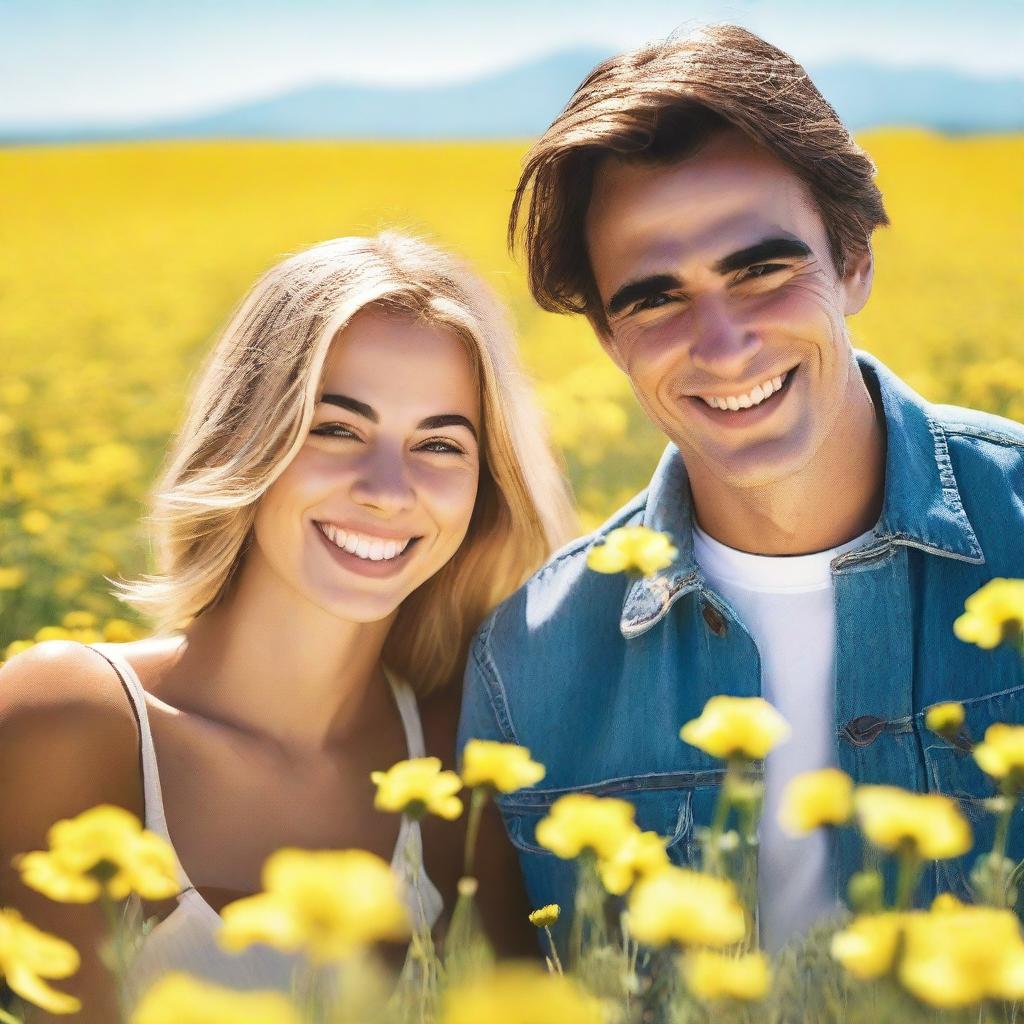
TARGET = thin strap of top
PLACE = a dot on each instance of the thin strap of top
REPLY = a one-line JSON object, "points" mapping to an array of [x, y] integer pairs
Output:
{"points": [[407, 708], [156, 820]]}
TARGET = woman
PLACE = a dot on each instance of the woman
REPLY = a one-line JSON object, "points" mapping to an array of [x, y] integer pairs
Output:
{"points": [[361, 477]]}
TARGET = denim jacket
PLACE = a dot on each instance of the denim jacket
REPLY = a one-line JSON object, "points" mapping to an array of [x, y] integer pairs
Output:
{"points": [[595, 674]]}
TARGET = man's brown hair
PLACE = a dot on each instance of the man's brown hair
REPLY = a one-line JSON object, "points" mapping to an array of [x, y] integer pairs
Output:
{"points": [[660, 104]]}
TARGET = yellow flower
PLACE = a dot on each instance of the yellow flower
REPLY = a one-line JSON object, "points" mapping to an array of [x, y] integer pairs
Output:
{"points": [[328, 902], [814, 799], [545, 917], [119, 631], [993, 614], [641, 854], [679, 905], [28, 955], [16, 647], [579, 822], [501, 766], [78, 620], [35, 521], [11, 577], [958, 956], [633, 549], [520, 994], [728, 727], [868, 945], [1002, 750], [417, 787], [104, 847], [717, 976], [945, 719], [929, 823], [180, 999], [51, 633]]}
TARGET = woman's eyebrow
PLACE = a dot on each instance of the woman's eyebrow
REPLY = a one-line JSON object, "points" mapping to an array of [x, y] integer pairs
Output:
{"points": [[448, 419], [353, 405]]}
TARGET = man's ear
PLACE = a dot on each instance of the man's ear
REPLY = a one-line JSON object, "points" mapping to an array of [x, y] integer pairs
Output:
{"points": [[856, 283]]}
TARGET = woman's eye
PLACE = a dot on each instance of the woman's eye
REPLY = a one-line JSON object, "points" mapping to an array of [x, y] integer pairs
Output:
{"points": [[441, 447], [333, 430]]}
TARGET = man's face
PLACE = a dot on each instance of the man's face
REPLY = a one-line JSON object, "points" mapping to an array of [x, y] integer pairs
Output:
{"points": [[715, 276]]}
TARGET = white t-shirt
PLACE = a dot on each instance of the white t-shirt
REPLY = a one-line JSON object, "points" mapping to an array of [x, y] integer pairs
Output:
{"points": [[785, 602]]}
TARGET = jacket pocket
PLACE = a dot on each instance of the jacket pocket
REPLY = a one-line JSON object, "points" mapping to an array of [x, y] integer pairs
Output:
{"points": [[952, 771], [663, 804]]}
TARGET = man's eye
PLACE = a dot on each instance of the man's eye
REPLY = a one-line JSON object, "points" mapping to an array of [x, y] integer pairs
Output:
{"points": [[333, 430], [651, 302], [761, 270]]}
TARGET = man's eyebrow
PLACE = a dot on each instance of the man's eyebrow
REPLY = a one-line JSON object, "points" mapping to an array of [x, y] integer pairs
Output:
{"points": [[448, 419], [642, 288], [769, 249]]}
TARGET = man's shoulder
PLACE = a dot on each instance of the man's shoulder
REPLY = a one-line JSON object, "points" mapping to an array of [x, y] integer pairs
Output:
{"points": [[563, 589], [986, 452], [991, 430]]}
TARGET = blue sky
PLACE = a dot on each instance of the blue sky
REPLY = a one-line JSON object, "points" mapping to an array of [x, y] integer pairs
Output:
{"points": [[64, 62]]}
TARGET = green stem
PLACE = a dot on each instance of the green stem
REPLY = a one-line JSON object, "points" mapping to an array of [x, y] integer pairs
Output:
{"points": [[476, 806], [906, 880], [314, 998], [999, 847], [1003, 829], [588, 927], [116, 937], [554, 950], [748, 880], [423, 941], [712, 854]]}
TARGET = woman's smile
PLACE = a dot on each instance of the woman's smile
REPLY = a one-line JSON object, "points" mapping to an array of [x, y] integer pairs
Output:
{"points": [[364, 553]]}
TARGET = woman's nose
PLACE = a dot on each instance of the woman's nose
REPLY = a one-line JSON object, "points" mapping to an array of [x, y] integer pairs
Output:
{"points": [[382, 483]]}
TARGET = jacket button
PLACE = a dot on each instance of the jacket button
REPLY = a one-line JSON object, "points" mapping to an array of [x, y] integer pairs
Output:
{"points": [[863, 731], [714, 618]]}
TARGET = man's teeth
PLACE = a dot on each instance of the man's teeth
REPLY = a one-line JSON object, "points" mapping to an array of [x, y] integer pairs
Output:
{"points": [[374, 549], [753, 397]]}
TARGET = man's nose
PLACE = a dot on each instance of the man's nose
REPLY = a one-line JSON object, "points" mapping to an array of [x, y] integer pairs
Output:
{"points": [[722, 342], [382, 482]]}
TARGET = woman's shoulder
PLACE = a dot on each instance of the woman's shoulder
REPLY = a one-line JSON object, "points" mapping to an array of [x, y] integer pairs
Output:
{"points": [[68, 736]]}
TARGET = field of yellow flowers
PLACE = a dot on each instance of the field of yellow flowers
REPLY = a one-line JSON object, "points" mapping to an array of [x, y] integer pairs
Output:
{"points": [[647, 941], [118, 264]]}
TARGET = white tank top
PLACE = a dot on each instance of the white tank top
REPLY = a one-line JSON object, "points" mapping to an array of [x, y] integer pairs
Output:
{"points": [[185, 940]]}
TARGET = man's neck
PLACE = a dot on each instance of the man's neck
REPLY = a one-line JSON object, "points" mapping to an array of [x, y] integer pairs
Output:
{"points": [[835, 497]]}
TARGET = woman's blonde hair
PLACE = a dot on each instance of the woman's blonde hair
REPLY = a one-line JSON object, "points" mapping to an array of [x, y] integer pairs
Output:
{"points": [[252, 410]]}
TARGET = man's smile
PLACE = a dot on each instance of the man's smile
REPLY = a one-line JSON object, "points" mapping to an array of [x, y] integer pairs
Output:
{"points": [[730, 413]]}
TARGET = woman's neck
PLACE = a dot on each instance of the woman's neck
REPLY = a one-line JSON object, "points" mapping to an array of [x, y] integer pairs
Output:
{"points": [[267, 662]]}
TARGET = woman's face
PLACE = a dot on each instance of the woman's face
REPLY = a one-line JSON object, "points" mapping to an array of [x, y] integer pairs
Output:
{"points": [[380, 496]]}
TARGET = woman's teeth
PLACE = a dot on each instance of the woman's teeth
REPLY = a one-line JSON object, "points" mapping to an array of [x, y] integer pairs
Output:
{"points": [[755, 396], [373, 549]]}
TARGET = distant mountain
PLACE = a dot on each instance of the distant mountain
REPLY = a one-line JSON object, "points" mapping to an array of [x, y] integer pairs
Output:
{"points": [[869, 95], [522, 101]]}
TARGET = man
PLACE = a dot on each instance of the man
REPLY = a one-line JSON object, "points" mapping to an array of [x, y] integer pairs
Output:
{"points": [[702, 205]]}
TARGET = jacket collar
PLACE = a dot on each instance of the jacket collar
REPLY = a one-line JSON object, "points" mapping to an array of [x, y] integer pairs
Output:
{"points": [[921, 505]]}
